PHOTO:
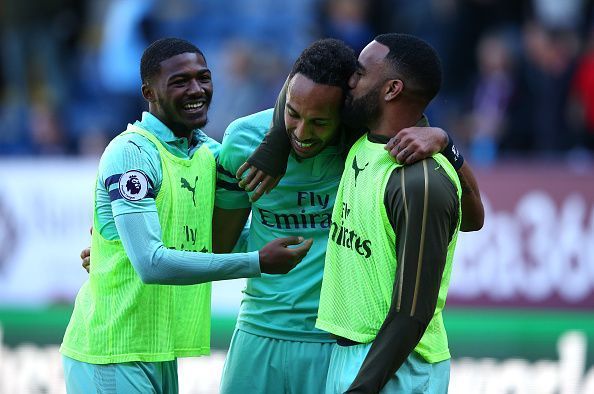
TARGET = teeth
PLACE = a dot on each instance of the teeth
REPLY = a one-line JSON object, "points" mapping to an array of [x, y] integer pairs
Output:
{"points": [[303, 144], [194, 105]]}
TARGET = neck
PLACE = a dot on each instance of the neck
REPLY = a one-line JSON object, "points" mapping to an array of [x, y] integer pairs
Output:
{"points": [[394, 119], [180, 131], [177, 129]]}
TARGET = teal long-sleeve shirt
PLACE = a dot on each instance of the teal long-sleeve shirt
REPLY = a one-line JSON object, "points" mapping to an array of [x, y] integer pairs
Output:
{"points": [[136, 223]]}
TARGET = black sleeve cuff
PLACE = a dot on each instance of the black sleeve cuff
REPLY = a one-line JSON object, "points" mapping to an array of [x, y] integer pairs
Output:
{"points": [[453, 154]]}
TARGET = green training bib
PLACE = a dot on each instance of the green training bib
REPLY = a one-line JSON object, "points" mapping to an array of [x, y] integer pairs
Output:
{"points": [[361, 260], [116, 317]]}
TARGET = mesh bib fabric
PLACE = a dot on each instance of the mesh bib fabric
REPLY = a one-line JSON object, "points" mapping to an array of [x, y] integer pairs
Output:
{"points": [[361, 260], [116, 317]]}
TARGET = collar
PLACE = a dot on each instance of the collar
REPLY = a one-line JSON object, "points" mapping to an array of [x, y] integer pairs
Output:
{"points": [[151, 123], [382, 139]]}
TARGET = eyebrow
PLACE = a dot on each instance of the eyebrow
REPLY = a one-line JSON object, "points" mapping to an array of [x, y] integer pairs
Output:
{"points": [[290, 107], [186, 73], [328, 118]]}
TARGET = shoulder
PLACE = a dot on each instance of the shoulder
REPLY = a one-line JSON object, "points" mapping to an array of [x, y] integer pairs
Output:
{"points": [[242, 137], [211, 144], [427, 179], [127, 141], [421, 189], [251, 128], [128, 152]]}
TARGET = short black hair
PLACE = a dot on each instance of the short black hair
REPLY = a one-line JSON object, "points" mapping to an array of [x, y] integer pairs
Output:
{"points": [[161, 50], [416, 62], [328, 62]]}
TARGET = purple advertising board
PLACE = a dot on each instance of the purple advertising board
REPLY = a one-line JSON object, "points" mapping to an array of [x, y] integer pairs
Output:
{"points": [[536, 249]]}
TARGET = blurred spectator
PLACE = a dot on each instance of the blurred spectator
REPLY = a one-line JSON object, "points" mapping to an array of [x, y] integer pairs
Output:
{"points": [[490, 97], [35, 40], [122, 45], [562, 15], [347, 20], [470, 21], [46, 130], [172, 18], [238, 90], [14, 138], [582, 109], [93, 142], [67, 67], [539, 111]]}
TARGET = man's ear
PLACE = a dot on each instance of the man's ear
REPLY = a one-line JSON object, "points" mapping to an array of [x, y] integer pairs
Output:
{"points": [[148, 93], [394, 88]]}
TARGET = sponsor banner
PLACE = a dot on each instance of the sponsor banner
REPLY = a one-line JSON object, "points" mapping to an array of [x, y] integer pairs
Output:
{"points": [[537, 246], [45, 217], [536, 249], [34, 369]]}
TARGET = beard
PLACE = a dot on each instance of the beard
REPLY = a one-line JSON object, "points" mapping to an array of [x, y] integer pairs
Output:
{"points": [[363, 111]]}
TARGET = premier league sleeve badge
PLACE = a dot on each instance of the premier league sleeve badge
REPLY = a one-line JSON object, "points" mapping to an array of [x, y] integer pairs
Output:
{"points": [[133, 185]]}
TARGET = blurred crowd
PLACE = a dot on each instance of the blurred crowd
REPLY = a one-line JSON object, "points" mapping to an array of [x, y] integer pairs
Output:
{"points": [[518, 74]]}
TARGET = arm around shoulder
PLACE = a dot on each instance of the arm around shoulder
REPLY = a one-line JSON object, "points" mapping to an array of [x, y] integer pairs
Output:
{"points": [[473, 212]]}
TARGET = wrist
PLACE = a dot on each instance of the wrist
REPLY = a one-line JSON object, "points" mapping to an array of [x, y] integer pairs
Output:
{"points": [[254, 263], [445, 141], [452, 154]]}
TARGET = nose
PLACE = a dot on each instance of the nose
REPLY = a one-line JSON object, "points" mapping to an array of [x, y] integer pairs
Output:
{"points": [[195, 87], [353, 80], [301, 132]]}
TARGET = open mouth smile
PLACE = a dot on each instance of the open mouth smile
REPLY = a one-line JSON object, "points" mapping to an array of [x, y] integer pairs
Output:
{"points": [[303, 145], [195, 106]]}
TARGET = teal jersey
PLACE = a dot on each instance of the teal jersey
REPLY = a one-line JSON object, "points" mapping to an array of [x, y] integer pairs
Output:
{"points": [[282, 306], [132, 152], [121, 156]]}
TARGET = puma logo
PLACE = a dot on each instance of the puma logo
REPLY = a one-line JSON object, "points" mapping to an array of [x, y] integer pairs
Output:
{"points": [[357, 169], [186, 185]]}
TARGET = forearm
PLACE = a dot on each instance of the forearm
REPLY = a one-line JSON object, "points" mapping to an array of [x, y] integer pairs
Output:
{"points": [[397, 338], [175, 267], [473, 212], [156, 264], [271, 155]]}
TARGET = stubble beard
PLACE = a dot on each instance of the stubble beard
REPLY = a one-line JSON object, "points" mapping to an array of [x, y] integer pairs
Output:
{"points": [[362, 112]]}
